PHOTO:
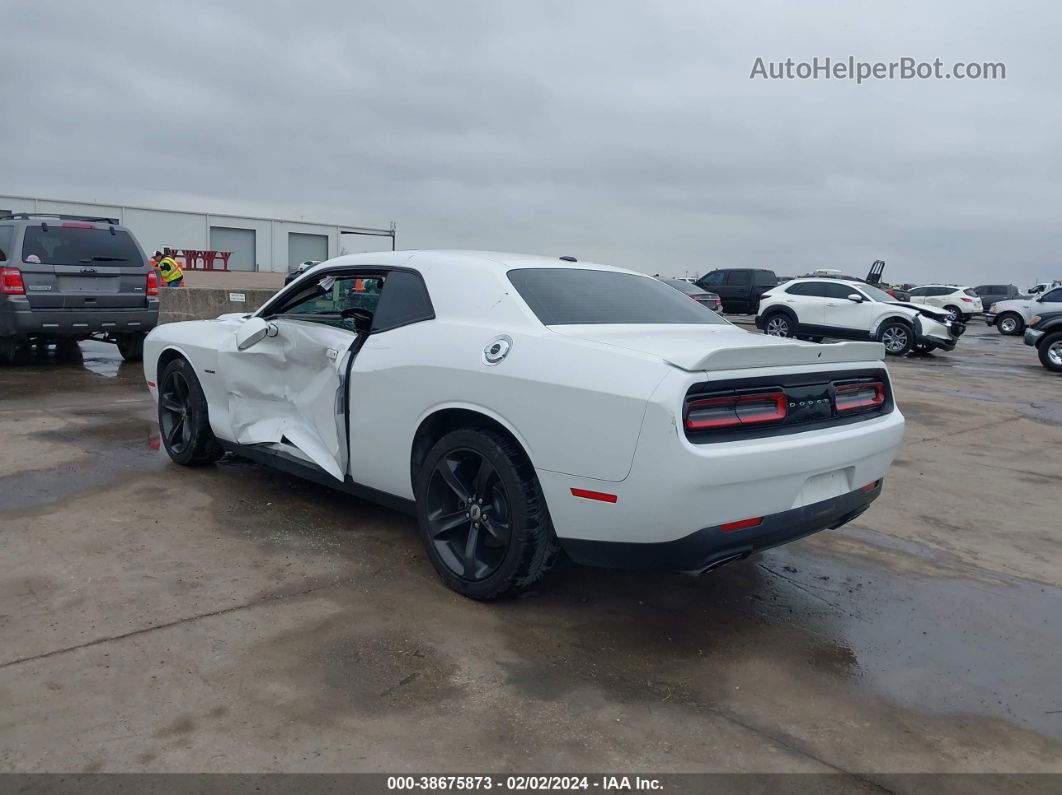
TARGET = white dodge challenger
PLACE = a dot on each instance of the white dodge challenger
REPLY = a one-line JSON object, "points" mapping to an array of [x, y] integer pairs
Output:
{"points": [[522, 405]]}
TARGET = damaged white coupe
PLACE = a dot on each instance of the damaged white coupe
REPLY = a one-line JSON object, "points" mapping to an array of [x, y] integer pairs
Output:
{"points": [[523, 406]]}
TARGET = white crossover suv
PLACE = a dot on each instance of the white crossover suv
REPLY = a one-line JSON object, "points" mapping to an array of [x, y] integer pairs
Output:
{"points": [[1011, 317], [817, 308], [961, 303], [519, 405]]}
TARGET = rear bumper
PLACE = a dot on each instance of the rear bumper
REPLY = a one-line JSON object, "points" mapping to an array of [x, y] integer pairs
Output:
{"points": [[712, 546], [21, 321]]}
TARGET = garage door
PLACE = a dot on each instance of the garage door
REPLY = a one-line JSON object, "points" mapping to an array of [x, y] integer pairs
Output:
{"points": [[303, 247], [239, 241]]}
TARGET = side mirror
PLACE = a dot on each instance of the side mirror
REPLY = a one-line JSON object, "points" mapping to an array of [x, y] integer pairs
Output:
{"points": [[856, 297], [254, 331]]}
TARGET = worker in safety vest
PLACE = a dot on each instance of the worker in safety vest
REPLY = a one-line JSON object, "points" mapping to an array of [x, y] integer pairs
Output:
{"points": [[172, 275]]}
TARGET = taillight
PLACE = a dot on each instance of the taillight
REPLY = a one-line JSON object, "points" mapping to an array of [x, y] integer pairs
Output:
{"points": [[77, 226], [734, 411], [890, 292], [852, 397], [11, 282], [152, 283], [967, 300]]}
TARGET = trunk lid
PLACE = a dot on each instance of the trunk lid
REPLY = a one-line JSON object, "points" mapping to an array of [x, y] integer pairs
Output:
{"points": [[721, 347]]}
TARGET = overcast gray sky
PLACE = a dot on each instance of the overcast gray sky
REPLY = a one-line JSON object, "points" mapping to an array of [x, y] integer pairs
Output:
{"points": [[624, 132]]}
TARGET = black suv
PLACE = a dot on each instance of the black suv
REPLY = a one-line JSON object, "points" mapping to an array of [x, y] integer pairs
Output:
{"points": [[65, 277], [1045, 334], [739, 288]]}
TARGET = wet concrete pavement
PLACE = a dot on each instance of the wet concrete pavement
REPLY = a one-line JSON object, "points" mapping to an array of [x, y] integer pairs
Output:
{"points": [[235, 619]]}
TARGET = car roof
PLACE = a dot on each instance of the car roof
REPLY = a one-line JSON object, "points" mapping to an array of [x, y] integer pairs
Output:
{"points": [[420, 259], [829, 280]]}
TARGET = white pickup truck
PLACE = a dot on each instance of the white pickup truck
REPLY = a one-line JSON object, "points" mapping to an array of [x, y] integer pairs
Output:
{"points": [[1011, 317]]}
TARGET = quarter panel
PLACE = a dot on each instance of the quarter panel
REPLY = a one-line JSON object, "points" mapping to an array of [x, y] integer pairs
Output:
{"points": [[576, 405]]}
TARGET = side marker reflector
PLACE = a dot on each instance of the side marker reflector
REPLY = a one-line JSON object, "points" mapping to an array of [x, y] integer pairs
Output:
{"points": [[730, 527], [151, 383], [594, 495]]}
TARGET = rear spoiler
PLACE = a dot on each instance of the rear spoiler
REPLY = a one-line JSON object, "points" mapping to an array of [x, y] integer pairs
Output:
{"points": [[783, 355]]}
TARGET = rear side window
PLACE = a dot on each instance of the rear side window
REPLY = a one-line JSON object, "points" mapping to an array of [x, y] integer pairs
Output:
{"points": [[404, 300], [765, 278], [739, 277], [6, 234], [75, 245], [715, 278], [836, 290], [800, 288], [971, 293], [560, 296], [1053, 297]]}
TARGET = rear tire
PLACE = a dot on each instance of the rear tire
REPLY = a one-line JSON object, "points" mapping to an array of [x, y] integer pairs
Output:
{"points": [[778, 324], [482, 516], [131, 346], [897, 337], [1010, 324], [8, 350], [1050, 351], [184, 421], [954, 313]]}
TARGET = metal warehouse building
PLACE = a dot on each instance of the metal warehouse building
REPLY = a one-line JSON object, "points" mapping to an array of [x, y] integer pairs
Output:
{"points": [[257, 244]]}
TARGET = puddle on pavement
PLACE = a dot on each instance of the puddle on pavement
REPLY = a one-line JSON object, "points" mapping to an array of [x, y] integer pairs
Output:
{"points": [[948, 646], [119, 447]]}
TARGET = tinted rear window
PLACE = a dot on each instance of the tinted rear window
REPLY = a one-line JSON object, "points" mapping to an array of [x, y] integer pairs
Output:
{"points": [[560, 296], [69, 245], [764, 277], [970, 292], [6, 233]]}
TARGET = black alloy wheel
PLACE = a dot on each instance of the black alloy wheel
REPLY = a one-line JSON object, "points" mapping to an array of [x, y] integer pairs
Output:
{"points": [[174, 401], [469, 515], [482, 516], [183, 419]]}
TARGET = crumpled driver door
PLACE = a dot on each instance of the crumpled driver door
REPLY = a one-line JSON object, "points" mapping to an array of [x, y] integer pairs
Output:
{"points": [[288, 391]]}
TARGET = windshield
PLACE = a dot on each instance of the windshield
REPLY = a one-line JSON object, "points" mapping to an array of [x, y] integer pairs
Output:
{"points": [[560, 296], [876, 294], [75, 245]]}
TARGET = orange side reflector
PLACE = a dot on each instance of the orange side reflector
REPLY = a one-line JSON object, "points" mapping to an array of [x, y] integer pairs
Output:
{"points": [[594, 495]]}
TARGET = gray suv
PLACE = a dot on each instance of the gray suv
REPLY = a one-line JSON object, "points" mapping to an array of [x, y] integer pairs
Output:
{"points": [[66, 277]]}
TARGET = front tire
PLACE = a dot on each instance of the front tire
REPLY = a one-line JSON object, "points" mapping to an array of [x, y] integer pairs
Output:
{"points": [[778, 324], [184, 421], [482, 516], [1050, 351], [897, 337], [1010, 324]]}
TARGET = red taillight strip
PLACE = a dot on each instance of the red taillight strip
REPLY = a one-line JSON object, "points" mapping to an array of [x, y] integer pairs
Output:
{"points": [[730, 527], [734, 401], [151, 384], [601, 496], [872, 486], [77, 226], [152, 283], [850, 403]]}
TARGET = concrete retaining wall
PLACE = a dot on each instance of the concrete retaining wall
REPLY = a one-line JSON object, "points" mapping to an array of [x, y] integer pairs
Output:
{"points": [[204, 303]]}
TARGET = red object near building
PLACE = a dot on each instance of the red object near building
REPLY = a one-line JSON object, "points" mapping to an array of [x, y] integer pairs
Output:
{"points": [[195, 260]]}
